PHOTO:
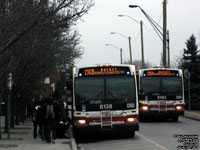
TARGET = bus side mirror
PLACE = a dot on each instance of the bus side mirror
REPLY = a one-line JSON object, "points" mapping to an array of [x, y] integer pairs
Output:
{"points": [[68, 92], [141, 91]]}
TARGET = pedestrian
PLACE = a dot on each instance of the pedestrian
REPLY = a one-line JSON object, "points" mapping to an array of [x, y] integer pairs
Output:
{"points": [[50, 122], [41, 118], [62, 119], [35, 119], [65, 121], [69, 120]]}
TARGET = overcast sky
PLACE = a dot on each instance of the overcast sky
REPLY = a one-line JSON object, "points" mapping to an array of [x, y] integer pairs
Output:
{"points": [[183, 20]]}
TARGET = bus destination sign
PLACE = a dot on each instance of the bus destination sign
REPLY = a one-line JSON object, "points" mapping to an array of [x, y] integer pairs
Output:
{"points": [[104, 71], [161, 73]]}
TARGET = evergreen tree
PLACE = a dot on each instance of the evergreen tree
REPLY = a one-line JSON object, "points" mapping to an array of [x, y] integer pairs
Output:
{"points": [[191, 53], [192, 64]]}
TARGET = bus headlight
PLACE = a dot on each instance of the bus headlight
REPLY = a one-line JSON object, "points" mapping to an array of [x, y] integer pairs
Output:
{"points": [[81, 121], [145, 108], [131, 119], [179, 108]]}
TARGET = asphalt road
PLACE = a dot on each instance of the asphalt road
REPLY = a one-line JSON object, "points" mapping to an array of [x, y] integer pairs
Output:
{"points": [[153, 135]]}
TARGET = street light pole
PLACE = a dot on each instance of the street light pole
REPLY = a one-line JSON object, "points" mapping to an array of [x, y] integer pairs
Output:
{"points": [[121, 55], [142, 41], [157, 30], [130, 50], [142, 44], [120, 49], [129, 42]]}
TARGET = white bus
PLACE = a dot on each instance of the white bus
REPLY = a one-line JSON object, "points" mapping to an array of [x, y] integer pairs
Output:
{"points": [[161, 93], [105, 99]]}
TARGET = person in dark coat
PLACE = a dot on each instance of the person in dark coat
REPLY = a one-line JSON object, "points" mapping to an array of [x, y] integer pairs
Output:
{"points": [[51, 120], [65, 121], [35, 118], [41, 118]]}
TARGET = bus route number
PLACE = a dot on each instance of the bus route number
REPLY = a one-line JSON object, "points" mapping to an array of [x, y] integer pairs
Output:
{"points": [[89, 72], [105, 106]]}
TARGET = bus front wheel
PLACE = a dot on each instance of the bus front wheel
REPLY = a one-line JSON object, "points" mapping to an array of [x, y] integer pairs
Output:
{"points": [[131, 134], [175, 118]]}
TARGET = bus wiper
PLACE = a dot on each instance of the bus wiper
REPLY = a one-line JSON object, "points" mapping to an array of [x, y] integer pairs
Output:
{"points": [[164, 88], [111, 94], [98, 95]]}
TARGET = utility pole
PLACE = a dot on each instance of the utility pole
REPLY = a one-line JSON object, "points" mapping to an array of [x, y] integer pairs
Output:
{"points": [[142, 44], [168, 48], [164, 32]]}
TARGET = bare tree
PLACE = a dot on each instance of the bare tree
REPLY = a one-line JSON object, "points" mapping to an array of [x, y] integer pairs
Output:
{"points": [[138, 64], [37, 38]]}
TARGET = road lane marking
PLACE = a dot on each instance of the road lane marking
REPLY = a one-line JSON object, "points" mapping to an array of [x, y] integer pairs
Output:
{"points": [[162, 147]]}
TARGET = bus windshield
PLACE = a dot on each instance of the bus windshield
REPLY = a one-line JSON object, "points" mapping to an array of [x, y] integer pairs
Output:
{"points": [[89, 90], [156, 86], [120, 90], [104, 90]]}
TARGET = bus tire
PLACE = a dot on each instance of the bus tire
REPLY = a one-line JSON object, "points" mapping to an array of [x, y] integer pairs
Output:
{"points": [[175, 118], [131, 134]]}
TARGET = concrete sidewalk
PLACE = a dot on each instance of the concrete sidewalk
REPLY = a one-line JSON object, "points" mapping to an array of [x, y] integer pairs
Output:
{"points": [[193, 114], [21, 138]]}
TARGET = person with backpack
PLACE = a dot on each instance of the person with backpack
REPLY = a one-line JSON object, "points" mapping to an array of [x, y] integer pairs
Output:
{"points": [[50, 122]]}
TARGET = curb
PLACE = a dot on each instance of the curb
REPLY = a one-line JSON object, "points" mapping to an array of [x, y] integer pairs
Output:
{"points": [[73, 142], [188, 117]]}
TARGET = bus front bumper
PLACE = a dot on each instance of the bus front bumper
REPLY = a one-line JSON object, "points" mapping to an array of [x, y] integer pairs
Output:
{"points": [[166, 114], [91, 129]]}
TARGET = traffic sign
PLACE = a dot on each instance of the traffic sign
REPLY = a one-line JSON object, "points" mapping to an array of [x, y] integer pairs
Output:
{"points": [[187, 74]]}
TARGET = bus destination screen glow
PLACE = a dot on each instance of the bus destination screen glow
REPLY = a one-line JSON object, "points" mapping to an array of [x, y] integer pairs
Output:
{"points": [[161, 73], [104, 71]]}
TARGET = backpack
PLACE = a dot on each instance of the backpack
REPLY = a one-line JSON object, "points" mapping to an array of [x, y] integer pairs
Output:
{"points": [[34, 116], [50, 112]]}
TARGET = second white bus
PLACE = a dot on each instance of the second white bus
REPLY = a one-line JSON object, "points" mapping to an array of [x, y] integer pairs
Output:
{"points": [[161, 93]]}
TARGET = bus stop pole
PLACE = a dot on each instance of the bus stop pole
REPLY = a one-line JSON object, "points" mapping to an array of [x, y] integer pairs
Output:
{"points": [[187, 76], [8, 103], [189, 94]]}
